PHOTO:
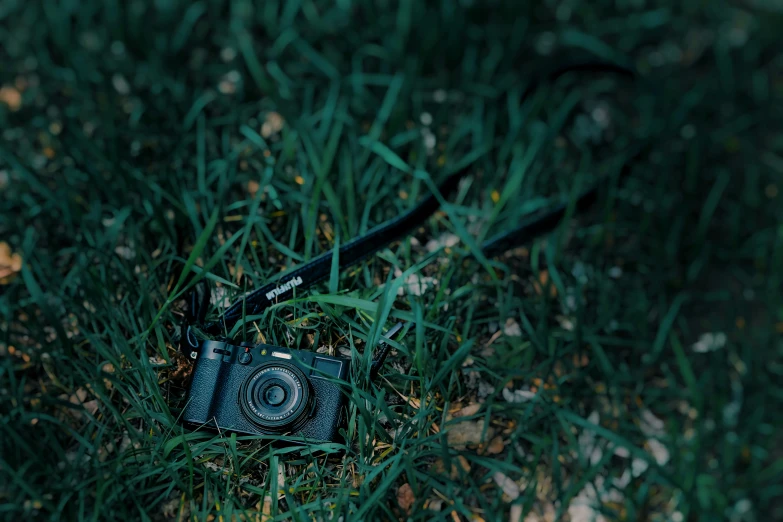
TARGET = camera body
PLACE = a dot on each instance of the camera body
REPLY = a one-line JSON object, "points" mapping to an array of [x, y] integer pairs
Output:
{"points": [[263, 389]]}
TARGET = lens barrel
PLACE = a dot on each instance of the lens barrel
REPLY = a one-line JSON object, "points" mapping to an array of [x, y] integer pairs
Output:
{"points": [[276, 397]]}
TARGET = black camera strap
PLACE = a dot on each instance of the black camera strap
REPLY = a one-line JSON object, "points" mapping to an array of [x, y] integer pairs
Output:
{"points": [[353, 252]]}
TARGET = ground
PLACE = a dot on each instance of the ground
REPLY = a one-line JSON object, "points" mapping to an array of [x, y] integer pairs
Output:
{"points": [[625, 367]]}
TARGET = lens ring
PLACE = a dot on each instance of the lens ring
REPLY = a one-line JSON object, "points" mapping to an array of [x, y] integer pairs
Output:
{"points": [[276, 396], [287, 394]]}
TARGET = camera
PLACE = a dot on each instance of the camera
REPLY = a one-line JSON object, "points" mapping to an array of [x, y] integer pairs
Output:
{"points": [[268, 390]]}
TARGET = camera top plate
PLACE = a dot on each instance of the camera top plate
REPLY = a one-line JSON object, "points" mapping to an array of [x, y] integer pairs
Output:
{"points": [[315, 365]]}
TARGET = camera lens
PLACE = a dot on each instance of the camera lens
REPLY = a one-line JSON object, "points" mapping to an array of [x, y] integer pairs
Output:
{"points": [[276, 396]]}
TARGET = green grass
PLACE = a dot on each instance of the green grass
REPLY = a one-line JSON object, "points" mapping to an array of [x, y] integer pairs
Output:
{"points": [[139, 151]]}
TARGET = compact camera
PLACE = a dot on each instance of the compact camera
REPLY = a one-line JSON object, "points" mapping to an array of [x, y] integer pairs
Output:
{"points": [[262, 389]]}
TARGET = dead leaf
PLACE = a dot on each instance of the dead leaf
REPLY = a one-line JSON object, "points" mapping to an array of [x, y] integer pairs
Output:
{"points": [[412, 401], [463, 433], [496, 446], [515, 514], [91, 406], [78, 396], [508, 486], [405, 497], [10, 263], [542, 282], [435, 504], [456, 464], [104, 452], [492, 339], [266, 510], [11, 97], [273, 124], [467, 411], [183, 370], [543, 511], [463, 463], [252, 187]]}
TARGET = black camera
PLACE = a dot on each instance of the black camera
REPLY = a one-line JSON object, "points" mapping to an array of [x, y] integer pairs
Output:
{"points": [[262, 389]]}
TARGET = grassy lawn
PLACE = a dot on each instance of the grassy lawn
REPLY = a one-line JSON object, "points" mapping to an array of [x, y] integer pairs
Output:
{"points": [[625, 367]]}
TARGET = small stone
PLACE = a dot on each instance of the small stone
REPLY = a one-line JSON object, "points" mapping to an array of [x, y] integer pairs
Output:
{"points": [[512, 328], [467, 432], [120, 84], [507, 484]]}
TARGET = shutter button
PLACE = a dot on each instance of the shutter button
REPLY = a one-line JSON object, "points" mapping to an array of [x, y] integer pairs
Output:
{"points": [[245, 357]]}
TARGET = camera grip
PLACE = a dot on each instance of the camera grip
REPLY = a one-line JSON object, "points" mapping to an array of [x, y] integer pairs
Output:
{"points": [[203, 386], [330, 412]]}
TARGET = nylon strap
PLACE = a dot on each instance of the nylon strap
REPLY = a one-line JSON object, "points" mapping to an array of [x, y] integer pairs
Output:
{"points": [[356, 250]]}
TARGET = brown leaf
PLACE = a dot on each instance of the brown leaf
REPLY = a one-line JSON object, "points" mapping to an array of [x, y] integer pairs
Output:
{"points": [[10, 263], [405, 497], [459, 462], [184, 368], [273, 124], [463, 463], [11, 97], [78, 397], [496, 446], [91, 406], [542, 282], [266, 510], [252, 187], [467, 411]]}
